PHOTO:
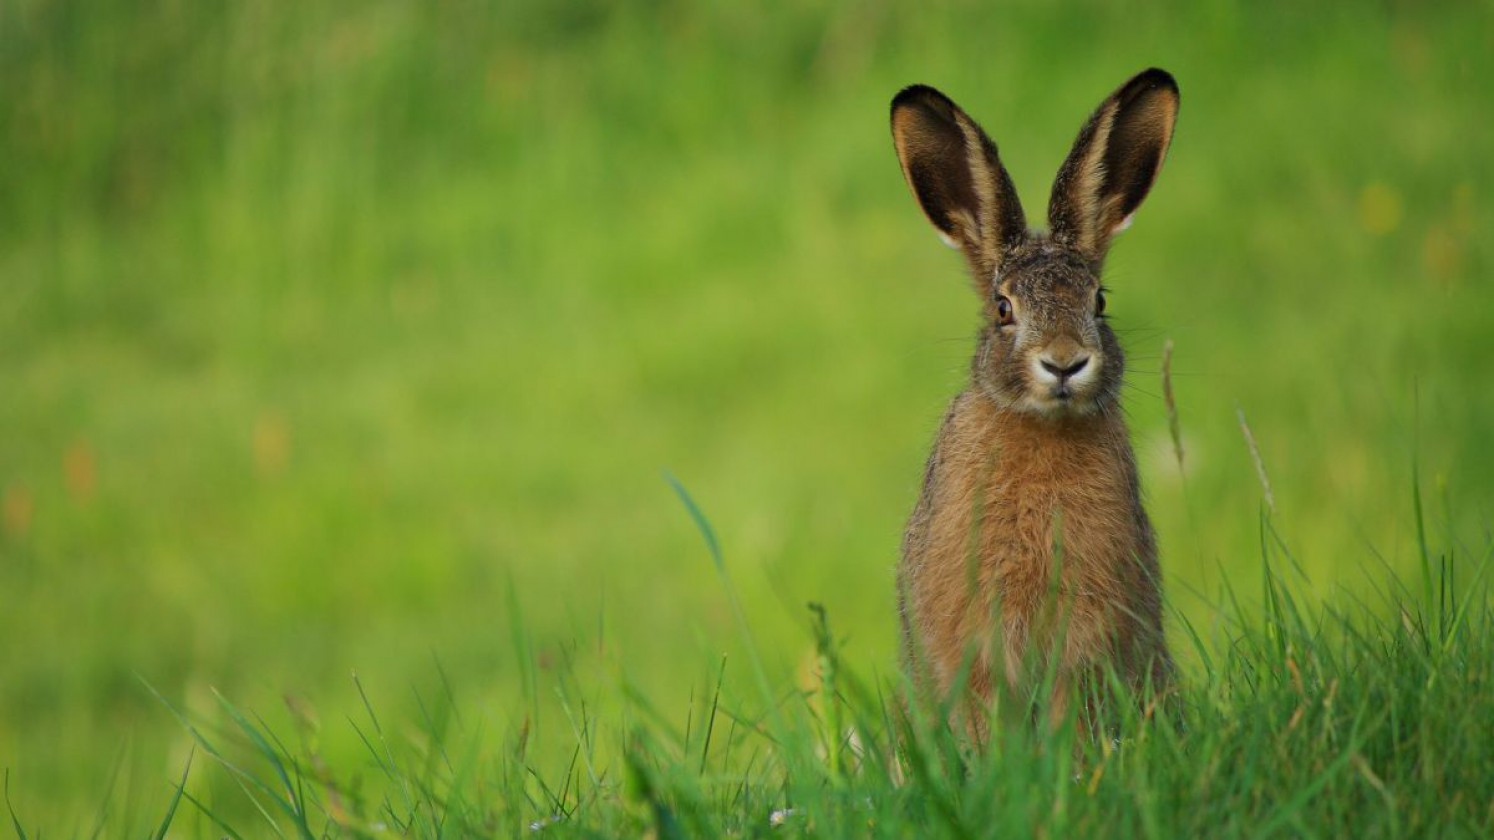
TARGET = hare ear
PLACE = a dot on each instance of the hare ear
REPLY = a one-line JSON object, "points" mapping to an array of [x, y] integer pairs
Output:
{"points": [[1114, 162], [954, 172]]}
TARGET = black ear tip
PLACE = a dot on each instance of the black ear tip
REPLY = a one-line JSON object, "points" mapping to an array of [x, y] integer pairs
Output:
{"points": [[1153, 78], [920, 95]]}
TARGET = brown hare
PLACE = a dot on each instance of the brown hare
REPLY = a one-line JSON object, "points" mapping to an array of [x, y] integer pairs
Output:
{"points": [[1028, 560]]}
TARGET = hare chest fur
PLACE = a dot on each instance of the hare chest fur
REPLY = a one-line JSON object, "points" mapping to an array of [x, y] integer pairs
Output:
{"points": [[1028, 541], [1029, 547]]}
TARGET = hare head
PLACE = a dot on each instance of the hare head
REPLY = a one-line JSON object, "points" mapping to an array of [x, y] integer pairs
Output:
{"points": [[1045, 347]]}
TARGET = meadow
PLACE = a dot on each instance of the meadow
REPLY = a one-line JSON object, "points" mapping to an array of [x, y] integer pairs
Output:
{"points": [[368, 338]]}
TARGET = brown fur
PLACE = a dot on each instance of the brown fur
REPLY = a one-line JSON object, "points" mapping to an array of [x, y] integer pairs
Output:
{"points": [[1029, 549], [1004, 494]]}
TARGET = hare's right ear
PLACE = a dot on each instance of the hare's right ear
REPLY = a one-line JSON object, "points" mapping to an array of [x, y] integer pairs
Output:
{"points": [[1113, 163], [952, 168]]}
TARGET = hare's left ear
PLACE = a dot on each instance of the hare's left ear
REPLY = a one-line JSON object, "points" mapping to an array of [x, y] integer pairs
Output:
{"points": [[1113, 163], [957, 177]]}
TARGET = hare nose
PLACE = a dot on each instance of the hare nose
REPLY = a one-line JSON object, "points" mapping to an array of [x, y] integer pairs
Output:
{"points": [[1065, 371]]}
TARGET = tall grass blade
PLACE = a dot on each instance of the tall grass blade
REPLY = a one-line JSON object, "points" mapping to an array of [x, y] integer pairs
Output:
{"points": [[391, 767], [1174, 424], [1422, 551], [14, 820], [702, 524], [708, 533], [176, 798], [291, 803], [213, 817], [244, 779], [524, 653], [1260, 464], [830, 700], [705, 748], [114, 771]]}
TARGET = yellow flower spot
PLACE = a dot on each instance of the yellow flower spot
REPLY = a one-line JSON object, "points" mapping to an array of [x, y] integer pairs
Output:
{"points": [[80, 471], [1379, 208], [16, 510], [271, 443]]}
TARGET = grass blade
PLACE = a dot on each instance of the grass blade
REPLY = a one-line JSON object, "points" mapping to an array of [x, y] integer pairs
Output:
{"points": [[176, 798], [14, 820]]}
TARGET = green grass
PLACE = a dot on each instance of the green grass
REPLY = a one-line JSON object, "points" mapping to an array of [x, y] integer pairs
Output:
{"points": [[1329, 722], [355, 337]]}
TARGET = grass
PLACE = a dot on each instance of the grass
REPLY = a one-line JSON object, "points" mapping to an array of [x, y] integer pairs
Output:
{"points": [[354, 337], [1328, 722]]}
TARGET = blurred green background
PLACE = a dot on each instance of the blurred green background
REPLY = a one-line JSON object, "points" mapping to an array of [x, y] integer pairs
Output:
{"points": [[356, 336]]}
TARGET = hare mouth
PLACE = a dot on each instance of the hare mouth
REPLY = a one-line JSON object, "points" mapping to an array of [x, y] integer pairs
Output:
{"points": [[1045, 400], [1061, 401]]}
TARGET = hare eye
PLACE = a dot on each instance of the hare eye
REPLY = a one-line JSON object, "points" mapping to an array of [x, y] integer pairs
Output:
{"points": [[1100, 303], [1003, 311]]}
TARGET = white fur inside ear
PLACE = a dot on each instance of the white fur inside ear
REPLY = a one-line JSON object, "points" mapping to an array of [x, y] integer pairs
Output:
{"points": [[1124, 223], [947, 239]]}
